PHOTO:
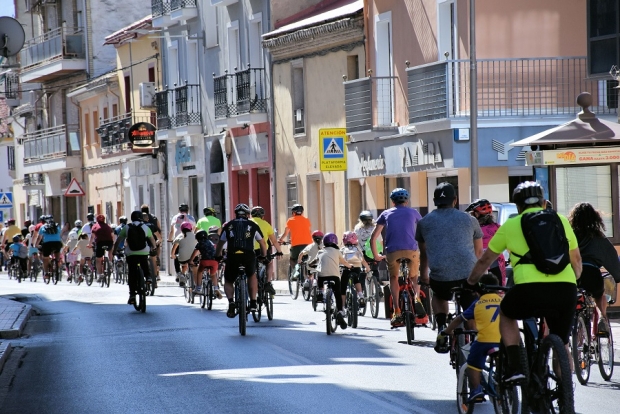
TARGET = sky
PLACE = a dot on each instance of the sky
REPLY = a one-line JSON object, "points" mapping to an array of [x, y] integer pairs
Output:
{"points": [[6, 8]]}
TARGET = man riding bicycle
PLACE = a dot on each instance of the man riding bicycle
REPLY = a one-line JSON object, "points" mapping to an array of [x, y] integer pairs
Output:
{"points": [[299, 228], [101, 237], [50, 241], [239, 234], [209, 220]]}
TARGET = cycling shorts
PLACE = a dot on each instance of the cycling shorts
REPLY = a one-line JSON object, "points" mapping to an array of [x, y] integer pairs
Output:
{"points": [[591, 280], [295, 250], [23, 262], [443, 291], [478, 354], [99, 252], [394, 266], [49, 247], [211, 264], [233, 261]]}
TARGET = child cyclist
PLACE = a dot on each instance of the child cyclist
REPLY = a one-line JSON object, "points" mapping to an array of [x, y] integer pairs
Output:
{"points": [[33, 251], [85, 251], [485, 313], [354, 256], [309, 253], [183, 247], [206, 250], [482, 210], [329, 260], [19, 253]]}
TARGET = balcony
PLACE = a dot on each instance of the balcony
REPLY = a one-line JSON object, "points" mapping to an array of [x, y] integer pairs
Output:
{"points": [[55, 54], [11, 88], [178, 112], [34, 181], [183, 10], [240, 98], [55, 148], [160, 9], [507, 88], [113, 132], [369, 103]]}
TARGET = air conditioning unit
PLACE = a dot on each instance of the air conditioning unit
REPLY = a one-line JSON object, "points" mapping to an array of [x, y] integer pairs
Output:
{"points": [[147, 95]]}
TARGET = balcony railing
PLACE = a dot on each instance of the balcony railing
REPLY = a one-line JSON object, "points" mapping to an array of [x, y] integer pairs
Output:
{"points": [[178, 107], [240, 93], [299, 123], [160, 7], [49, 143], [34, 179], [180, 4], [506, 88], [59, 43], [370, 102], [113, 131], [11, 85]]}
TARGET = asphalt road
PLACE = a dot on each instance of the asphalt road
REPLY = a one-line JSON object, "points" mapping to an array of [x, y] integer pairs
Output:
{"points": [[88, 352]]}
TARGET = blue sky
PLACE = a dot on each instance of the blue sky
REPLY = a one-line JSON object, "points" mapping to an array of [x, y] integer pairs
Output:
{"points": [[6, 8]]}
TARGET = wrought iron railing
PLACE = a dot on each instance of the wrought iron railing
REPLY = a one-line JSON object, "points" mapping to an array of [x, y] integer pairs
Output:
{"points": [[59, 43], [10, 157], [180, 4], [240, 93], [47, 144], [506, 88], [178, 107], [160, 7], [370, 102], [11, 85], [34, 179], [113, 131]]}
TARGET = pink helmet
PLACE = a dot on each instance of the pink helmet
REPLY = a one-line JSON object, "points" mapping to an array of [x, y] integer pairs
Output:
{"points": [[186, 226], [349, 237]]}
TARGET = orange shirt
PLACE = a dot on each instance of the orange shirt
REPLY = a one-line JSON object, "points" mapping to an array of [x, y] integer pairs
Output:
{"points": [[300, 230]]}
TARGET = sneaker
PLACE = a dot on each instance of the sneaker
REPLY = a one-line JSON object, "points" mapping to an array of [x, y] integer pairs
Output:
{"points": [[476, 394], [397, 320], [306, 285], [341, 321], [217, 292], [181, 283], [253, 306], [158, 278], [269, 288], [132, 300], [441, 344], [361, 301], [232, 310], [198, 289], [319, 296], [176, 279], [99, 279], [513, 376], [603, 329]]}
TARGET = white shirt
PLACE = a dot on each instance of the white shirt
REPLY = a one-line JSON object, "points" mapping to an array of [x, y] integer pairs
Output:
{"points": [[329, 262]]}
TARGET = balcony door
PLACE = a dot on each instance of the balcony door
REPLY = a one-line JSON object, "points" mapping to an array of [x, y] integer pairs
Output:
{"points": [[383, 87]]}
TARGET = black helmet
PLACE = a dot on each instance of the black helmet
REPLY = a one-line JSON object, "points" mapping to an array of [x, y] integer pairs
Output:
{"points": [[209, 211], [365, 215], [122, 220], [136, 215], [183, 207], [201, 235], [528, 193], [90, 217], [258, 211], [242, 210], [399, 195], [297, 208]]}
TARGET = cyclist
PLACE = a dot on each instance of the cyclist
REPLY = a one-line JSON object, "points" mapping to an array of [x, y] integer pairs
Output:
{"points": [[206, 250], [183, 248], [450, 243], [181, 217], [267, 231], [138, 258], [72, 240], [101, 236], [90, 222], [482, 210], [534, 293], [299, 229], [400, 223], [146, 219], [485, 313], [11, 231], [239, 235], [596, 250], [364, 228], [49, 239], [19, 253], [33, 251], [329, 261], [354, 256], [209, 220], [310, 252], [84, 249]]}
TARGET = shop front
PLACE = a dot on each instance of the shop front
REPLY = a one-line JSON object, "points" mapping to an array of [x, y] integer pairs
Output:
{"points": [[186, 174]]}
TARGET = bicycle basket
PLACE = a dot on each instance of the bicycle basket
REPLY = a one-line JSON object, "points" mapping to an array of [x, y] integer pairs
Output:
{"points": [[611, 288]]}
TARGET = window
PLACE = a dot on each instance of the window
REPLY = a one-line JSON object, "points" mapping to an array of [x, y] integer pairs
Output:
{"points": [[114, 110], [95, 126], [128, 105], [255, 33], [105, 113], [603, 35], [353, 67], [291, 193], [212, 26], [234, 62], [87, 140], [298, 97]]}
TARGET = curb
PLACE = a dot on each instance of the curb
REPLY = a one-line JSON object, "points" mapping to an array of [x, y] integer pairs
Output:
{"points": [[5, 351], [19, 324]]}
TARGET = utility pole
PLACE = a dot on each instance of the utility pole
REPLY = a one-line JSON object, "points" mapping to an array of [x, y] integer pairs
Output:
{"points": [[473, 101]]}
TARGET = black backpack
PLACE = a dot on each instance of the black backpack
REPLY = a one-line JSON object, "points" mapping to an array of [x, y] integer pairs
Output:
{"points": [[52, 227], [546, 238], [136, 237]]}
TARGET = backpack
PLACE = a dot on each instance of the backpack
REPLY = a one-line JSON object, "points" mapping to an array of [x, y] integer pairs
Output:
{"points": [[136, 237], [545, 236], [51, 227], [207, 250]]}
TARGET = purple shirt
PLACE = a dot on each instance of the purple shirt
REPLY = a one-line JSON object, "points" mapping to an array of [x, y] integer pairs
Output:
{"points": [[400, 224]]}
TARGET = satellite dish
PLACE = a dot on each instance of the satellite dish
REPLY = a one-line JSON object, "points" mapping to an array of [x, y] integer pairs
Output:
{"points": [[12, 36]]}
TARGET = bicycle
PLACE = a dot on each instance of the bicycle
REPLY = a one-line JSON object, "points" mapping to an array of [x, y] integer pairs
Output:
{"points": [[457, 342], [295, 281], [88, 271], [151, 281], [263, 297], [351, 301], [306, 288], [373, 291], [106, 268], [140, 303], [586, 350], [406, 299], [329, 307], [207, 296], [54, 274], [18, 273], [241, 299], [188, 285], [35, 268], [120, 267]]}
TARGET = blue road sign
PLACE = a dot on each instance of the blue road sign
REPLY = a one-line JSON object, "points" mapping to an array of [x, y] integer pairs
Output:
{"points": [[6, 200]]}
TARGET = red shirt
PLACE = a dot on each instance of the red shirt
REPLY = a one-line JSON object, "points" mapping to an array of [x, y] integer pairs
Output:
{"points": [[38, 226], [102, 232]]}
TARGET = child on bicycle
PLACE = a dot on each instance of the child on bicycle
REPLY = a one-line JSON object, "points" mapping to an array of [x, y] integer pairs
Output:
{"points": [[19, 253], [329, 261], [183, 248], [206, 250], [309, 253], [355, 257], [72, 241], [485, 313], [85, 252], [33, 251]]}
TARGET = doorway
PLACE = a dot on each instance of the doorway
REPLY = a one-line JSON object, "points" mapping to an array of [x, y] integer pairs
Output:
{"points": [[193, 196], [218, 200]]}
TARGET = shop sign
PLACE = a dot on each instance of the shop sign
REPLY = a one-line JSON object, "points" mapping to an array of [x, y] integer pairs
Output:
{"points": [[142, 134], [420, 153], [371, 164], [573, 156], [332, 153]]}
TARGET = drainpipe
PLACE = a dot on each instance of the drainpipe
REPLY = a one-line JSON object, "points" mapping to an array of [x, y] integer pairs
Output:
{"points": [[272, 121], [366, 25]]}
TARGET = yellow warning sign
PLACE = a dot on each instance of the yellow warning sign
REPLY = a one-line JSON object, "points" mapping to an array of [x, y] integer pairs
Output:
{"points": [[332, 151]]}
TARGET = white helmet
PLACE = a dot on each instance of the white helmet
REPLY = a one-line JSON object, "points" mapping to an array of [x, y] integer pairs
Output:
{"points": [[73, 235]]}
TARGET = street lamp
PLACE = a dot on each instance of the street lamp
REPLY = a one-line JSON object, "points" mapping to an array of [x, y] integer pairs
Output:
{"points": [[473, 101]]}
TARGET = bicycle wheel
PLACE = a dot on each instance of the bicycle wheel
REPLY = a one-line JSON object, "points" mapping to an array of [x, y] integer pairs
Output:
{"points": [[306, 289], [580, 343], [259, 309], [557, 395], [241, 306], [354, 307], [605, 344], [19, 275], [373, 290], [362, 309], [88, 275], [269, 305], [293, 285], [206, 292], [407, 314], [107, 272], [510, 398], [328, 312], [187, 289], [313, 294], [462, 390], [55, 272]]}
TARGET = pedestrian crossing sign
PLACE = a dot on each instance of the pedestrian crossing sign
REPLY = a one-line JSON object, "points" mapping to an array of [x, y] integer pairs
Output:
{"points": [[6, 200], [332, 151]]}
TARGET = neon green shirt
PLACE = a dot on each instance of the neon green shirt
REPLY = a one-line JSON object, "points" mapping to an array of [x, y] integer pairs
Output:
{"points": [[510, 236], [208, 221], [265, 228]]}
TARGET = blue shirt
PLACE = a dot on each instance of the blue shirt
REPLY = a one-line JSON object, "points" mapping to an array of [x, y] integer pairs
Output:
{"points": [[47, 236], [117, 231], [400, 224]]}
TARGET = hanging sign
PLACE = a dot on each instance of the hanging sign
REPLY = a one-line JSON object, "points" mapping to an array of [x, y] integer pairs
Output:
{"points": [[142, 134]]}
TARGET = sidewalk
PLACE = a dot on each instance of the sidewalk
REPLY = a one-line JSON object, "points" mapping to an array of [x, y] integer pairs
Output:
{"points": [[13, 318]]}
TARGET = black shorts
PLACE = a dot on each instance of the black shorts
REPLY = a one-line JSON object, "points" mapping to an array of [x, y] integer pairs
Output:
{"points": [[233, 261], [99, 252], [49, 247], [295, 250], [443, 290], [355, 273], [23, 262], [591, 280], [554, 301]]}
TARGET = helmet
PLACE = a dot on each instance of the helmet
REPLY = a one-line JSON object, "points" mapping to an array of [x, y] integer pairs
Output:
{"points": [[399, 195], [78, 223], [349, 237], [330, 238], [32, 228], [201, 235], [365, 215], [90, 217], [317, 236], [136, 215], [100, 218], [183, 207], [297, 208], [527, 193], [72, 235], [242, 210], [186, 226], [11, 221], [17, 238], [49, 218], [209, 211], [480, 206], [214, 229], [122, 220], [258, 211]]}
